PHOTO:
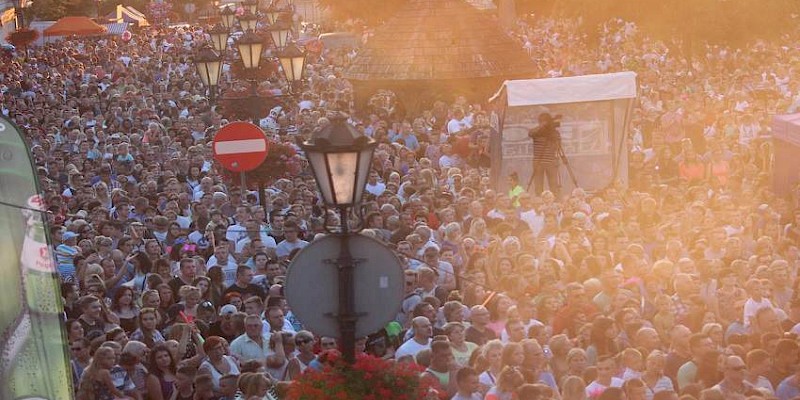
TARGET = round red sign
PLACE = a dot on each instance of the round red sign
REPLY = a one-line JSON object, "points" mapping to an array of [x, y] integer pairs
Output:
{"points": [[240, 146]]}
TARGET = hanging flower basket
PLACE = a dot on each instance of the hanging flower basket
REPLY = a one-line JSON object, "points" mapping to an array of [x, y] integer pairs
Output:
{"points": [[22, 37]]}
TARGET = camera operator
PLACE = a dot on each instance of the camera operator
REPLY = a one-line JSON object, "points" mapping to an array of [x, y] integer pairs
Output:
{"points": [[546, 142]]}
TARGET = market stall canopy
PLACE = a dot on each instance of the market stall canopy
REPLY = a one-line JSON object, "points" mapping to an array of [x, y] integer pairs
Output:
{"points": [[78, 26]]}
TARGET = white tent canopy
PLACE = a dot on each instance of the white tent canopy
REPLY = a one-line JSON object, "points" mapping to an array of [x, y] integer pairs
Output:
{"points": [[596, 110], [573, 89]]}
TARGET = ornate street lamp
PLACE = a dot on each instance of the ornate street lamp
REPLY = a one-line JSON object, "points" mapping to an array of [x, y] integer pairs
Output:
{"points": [[228, 17], [250, 46], [272, 14], [248, 21], [293, 64], [340, 157], [280, 31], [209, 67], [250, 6], [219, 38]]}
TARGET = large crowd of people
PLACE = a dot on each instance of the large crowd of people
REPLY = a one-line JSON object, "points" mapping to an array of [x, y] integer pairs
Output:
{"points": [[681, 284]]}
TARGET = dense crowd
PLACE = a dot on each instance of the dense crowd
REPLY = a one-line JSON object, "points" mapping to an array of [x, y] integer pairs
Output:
{"points": [[681, 284]]}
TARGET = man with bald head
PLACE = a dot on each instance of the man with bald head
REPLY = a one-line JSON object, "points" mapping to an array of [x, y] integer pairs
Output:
{"points": [[733, 385], [423, 330]]}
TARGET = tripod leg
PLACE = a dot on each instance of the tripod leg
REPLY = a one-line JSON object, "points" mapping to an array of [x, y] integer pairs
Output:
{"points": [[571, 173], [533, 173]]}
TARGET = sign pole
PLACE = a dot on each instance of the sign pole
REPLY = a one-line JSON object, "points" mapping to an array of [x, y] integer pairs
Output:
{"points": [[243, 180]]}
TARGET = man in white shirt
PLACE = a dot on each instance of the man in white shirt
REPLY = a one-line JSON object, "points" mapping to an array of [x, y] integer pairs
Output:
{"points": [[291, 241], [459, 122], [222, 258], [374, 186], [238, 231], [253, 344], [420, 341], [606, 367]]}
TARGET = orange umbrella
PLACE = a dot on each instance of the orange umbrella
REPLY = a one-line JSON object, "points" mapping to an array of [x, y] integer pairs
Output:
{"points": [[79, 26]]}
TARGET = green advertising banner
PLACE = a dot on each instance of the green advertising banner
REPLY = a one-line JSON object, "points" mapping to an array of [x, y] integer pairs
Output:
{"points": [[33, 357]]}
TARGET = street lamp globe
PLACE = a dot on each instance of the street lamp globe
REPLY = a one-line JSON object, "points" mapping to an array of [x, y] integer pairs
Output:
{"points": [[248, 21], [228, 17], [340, 157], [250, 6], [209, 67], [280, 31], [219, 37], [250, 46], [293, 63], [272, 13]]}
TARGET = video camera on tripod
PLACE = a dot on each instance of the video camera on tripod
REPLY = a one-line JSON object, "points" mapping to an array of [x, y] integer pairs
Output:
{"points": [[548, 130]]}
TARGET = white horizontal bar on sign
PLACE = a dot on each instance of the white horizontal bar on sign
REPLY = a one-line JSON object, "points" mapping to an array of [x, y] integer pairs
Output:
{"points": [[241, 146]]}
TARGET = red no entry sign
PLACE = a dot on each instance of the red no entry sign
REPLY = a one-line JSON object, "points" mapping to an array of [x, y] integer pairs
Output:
{"points": [[240, 146]]}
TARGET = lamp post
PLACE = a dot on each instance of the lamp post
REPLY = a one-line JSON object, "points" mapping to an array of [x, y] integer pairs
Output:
{"points": [[340, 158], [209, 67], [228, 17], [219, 38]]}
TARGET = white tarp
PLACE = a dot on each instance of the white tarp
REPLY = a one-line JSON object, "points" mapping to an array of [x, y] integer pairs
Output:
{"points": [[573, 89], [596, 111]]}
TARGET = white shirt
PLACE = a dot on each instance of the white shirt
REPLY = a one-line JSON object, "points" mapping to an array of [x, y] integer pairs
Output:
{"points": [[235, 233], [751, 307], [285, 247], [411, 348], [377, 189], [534, 221], [245, 348], [456, 125], [597, 387]]}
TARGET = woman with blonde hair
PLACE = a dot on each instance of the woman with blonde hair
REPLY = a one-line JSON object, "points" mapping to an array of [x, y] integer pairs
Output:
{"points": [[577, 361], [96, 381], [190, 298], [492, 354], [653, 376], [507, 383], [254, 385], [478, 231], [573, 388], [462, 350], [716, 333]]}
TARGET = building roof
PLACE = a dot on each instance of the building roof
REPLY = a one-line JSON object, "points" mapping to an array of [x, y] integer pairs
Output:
{"points": [[440, 40]]}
